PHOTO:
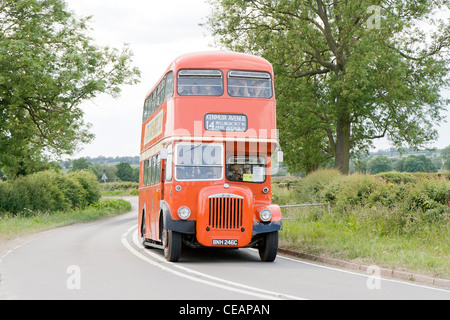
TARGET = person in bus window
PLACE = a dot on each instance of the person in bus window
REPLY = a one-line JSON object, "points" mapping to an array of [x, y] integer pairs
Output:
{"points": [[239, 88], [195, 89], [184, 173], [184, 91], [233, 90], [260, 90], [211, 90], [245, 91], [237, 170]]}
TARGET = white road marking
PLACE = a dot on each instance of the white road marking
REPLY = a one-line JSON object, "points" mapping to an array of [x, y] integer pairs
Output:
{"points": [[199, 276]]}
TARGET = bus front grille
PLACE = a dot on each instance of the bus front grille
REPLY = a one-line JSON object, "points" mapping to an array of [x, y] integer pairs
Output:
{"points": [[225, 212]]}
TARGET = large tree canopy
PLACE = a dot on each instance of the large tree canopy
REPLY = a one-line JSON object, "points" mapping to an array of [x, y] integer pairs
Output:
{"points": [[347, 72], [48, 66]]}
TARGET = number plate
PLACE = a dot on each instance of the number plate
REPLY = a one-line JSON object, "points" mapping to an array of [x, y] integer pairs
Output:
{"points": [[223, 242]]}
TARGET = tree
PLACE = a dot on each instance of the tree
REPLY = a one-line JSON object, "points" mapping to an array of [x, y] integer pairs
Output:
{"points": [[81, 164], [347, 72], [445, 153], [48, 66], [445, 158], [418, 164], [399, 165], [109, 170], [380, 164], [124, 171], [446, 165]]}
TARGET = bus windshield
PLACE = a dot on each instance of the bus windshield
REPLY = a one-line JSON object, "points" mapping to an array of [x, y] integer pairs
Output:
{"points": [[246, 169], [200, 83], [200, 162]]}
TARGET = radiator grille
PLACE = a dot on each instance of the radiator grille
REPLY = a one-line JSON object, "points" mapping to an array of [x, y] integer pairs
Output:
{"points": [[225, 212]]}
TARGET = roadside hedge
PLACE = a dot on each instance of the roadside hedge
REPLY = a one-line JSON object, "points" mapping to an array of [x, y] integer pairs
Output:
{"points": [[49, 191], [400, 199]]}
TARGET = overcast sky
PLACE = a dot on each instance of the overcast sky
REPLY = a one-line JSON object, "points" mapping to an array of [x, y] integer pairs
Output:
{"points": [[157, 32]]}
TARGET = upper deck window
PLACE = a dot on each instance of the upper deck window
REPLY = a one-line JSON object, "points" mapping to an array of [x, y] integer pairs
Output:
{"points": [[161, 93], [250, 84], [200, 82]]}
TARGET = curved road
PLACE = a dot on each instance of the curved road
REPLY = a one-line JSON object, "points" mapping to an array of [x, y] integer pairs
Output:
{"points": [[103, 260]]}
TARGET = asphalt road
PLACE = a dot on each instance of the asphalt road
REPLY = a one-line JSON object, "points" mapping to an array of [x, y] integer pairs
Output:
{"points": [[103, 260]]}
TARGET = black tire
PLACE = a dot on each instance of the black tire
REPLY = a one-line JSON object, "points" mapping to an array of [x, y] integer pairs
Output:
{"points": [[268, 250], [142, 239], [172, 243]]}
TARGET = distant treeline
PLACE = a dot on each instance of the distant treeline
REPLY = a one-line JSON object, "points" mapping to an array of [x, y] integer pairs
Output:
{"points": [[416, 161], [114, 169], [104, 160]]}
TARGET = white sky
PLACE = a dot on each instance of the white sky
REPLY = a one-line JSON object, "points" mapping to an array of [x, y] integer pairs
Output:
{"points": [[157, 32]]}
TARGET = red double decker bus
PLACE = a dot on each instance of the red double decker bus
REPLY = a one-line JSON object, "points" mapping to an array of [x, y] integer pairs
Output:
{"points": [[208, 136]]}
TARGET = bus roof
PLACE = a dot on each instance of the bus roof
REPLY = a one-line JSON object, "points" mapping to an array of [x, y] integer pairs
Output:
{"points": [[221, 60], [217, 60]]}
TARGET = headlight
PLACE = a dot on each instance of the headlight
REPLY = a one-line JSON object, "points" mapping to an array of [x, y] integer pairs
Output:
{"points": [[265, 215], [184, 213]]}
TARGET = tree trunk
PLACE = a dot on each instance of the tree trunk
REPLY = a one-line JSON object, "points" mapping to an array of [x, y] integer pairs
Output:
{"points": [[342, 152]]}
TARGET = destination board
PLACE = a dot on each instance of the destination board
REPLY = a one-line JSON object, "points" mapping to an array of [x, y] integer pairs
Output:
{"points": [[226, 122]]}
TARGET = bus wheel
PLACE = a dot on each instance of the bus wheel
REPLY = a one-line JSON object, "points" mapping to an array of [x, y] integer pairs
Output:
{"points": [[172, 242], [142, 239], [269, 248]]}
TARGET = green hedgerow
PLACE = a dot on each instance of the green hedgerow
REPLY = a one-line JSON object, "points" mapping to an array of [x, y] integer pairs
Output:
{"points": [[49, 191]]}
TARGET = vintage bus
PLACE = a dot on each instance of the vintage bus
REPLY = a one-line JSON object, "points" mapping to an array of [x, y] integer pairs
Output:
{"points": [[208, 140]]}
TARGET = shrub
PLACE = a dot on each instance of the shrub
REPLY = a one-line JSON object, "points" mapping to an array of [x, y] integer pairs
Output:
{"points": [[91, 187], [357, 190], [397, 177], [37, 192], [311, 188], [49, 191], [117, 204], [405, 199], [123, 185], [431, 197]]}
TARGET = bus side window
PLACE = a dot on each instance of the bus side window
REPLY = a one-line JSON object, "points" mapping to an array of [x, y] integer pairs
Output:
{"points": [[144, 175], [157, 169], [160, 94], [153, 171], [153, 104], [146, 113], [147, 173], [169, 162], [169, 86]]}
